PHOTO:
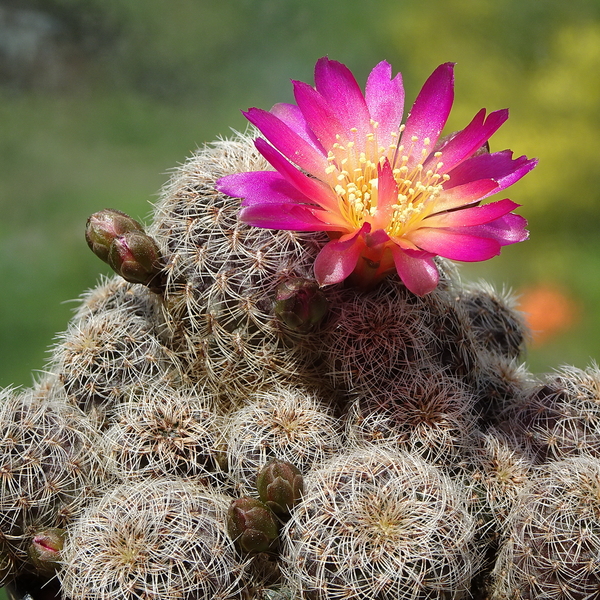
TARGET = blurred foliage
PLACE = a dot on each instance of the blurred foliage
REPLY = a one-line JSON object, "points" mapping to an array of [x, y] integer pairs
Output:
{"points": [[140, 84]]}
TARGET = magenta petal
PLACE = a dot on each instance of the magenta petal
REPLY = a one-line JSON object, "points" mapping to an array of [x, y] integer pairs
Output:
{"points": [[259, 187], [499, 166], [387, 195], [455, 245], [335, 82], [377, 238], [385, 100], [292, 116], [475, 215], [429, 113], [506, 230], [419, 275], [470, 139], [316, 190], [465, 194], [288, 142], [338, 259], [318, 114], [294, 217]]}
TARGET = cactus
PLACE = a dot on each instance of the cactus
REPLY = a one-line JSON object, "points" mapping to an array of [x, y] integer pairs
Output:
{"points": [[552, 544], [285, 423], [158, 538], [102, 357], [431, 414], [495, 321], [163, 430], [222, 372], [380, 524], [222, 279], [372, 339], [560, 416], [499, 383], [50, 469], [498, 470]]}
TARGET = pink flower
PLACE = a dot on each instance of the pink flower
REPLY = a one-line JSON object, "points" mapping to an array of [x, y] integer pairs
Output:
{"points": [[390, 195]]}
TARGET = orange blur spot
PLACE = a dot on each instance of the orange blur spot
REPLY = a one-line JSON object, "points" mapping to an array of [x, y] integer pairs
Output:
{"points": [[548, 311]]}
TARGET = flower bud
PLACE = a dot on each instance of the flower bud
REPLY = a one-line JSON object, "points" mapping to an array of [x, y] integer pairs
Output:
{"points": [[135, 257], [44, 551], [300, 304], [106, 225], [280, 486], [251, 524]]}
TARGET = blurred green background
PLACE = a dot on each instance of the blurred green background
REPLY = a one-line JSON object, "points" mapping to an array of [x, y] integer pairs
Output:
{"points": [[100, 98]]}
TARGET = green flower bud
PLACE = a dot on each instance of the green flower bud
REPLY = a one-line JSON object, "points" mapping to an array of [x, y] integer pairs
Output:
{"points": [[251, 524], [135, 257], [45, 548], [300, 304], [280, 486], [106, 225]]}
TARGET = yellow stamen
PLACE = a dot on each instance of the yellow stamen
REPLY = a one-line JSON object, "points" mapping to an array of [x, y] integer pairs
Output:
{"points": [[354, 178]]}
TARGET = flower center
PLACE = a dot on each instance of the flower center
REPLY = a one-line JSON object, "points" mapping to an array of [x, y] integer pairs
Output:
{"points": [[354, 177]]}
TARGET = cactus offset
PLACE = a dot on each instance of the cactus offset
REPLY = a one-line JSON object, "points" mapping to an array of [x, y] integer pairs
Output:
{"points": [[552, 545], [162, 538], [50, 469], [380, 524]]}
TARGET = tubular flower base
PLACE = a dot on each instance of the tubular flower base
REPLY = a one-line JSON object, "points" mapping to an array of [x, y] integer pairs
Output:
{"points": [[390, 195]]}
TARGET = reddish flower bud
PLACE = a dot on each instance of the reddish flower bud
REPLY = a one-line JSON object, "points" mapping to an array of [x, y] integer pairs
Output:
{"points": [[251, 524], [280, 486], [135, 257], [106, 225], [300, 304], [45, 548]]}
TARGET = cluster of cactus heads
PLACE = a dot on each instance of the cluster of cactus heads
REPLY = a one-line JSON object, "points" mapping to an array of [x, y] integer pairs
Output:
{"points": [[212, 424]]}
